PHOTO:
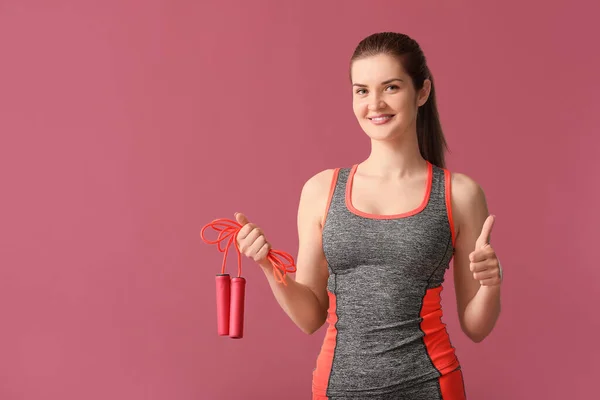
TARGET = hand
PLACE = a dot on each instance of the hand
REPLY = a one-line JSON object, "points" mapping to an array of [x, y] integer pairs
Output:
{"points": [[251, 240], [484, 262]]}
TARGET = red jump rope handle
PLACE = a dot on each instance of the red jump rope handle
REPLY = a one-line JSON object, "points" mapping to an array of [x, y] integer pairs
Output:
{"points": [[223, 303], [236, 321], [231, 292]]}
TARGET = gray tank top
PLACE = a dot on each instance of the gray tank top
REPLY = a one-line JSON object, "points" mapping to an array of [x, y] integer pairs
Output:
{"points": [[385, 277]]}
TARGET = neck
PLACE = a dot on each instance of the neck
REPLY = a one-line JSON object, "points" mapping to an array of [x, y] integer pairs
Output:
{"points": [[394, 158]]}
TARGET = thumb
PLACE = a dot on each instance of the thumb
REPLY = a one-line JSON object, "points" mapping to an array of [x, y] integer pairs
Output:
{"points": [[241, 219], [486, 232]]}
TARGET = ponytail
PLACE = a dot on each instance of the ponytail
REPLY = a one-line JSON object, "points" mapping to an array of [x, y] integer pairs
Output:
{"points": [[432, 142]]}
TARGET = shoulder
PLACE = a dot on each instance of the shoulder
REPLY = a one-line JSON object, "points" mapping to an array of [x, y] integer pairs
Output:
{"points": [[465, 188], [316, 192], [320, 183], [468, 197]]}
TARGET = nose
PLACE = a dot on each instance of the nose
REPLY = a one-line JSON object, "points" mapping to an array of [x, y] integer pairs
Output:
{"points": [[375, 103]]}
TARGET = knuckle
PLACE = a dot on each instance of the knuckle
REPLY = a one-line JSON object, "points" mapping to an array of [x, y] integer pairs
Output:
{"points": [[258, 256], [244, 231], [244, 248], [261, 254]]}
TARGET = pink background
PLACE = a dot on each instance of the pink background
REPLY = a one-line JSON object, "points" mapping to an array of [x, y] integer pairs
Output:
{"points": [[127, 125]]}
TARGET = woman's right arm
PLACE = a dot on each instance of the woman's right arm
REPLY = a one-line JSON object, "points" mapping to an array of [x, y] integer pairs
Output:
{"points": [[305, 298]]}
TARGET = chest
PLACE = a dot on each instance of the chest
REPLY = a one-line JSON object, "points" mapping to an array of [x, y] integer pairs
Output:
{"points": [[386, 197], [383, 198], [412, 247]]}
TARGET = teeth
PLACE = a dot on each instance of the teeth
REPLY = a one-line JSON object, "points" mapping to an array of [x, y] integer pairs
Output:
{"points": [[381, 118]]}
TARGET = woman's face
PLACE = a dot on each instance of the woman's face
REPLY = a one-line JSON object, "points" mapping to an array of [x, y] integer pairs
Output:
{"points": [[384, 99]]}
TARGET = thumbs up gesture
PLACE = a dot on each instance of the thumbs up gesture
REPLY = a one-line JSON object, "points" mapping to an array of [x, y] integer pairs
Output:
{"points": [[484, 263]]}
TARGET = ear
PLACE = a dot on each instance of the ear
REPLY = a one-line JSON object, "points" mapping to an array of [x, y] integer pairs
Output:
{"points": [[423, 94]]}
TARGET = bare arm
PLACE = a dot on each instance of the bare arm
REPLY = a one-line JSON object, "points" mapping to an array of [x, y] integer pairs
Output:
{"points": [[476, 268], [305, 299]]}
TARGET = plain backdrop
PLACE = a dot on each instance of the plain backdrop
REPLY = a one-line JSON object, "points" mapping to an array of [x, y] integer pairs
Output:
{"points": [[127, 125]]}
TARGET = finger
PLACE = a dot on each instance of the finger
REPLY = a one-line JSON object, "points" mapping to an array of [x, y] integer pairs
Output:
{"points": [[483, 254], [486, 274], [241, 218], [486, 232], [490, 282], [245, 231], [245, 241], [256, 244], [263, 252], [254, 236], [482, 265]]}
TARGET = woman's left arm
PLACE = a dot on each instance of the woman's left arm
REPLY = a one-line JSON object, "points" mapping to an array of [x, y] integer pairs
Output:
{"points": [[477, 274]]}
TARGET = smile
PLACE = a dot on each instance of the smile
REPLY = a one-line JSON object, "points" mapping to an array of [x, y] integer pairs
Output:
{"points": [[381, 119]]}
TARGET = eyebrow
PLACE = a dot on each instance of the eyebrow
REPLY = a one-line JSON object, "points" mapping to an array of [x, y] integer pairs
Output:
{"points": [[383, 83]]}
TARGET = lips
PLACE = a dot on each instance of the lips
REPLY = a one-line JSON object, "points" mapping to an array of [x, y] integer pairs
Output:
{"points": [[381, 118]]}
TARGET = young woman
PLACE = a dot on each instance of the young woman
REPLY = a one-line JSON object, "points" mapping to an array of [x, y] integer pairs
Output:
{"points": [[376, 239]]}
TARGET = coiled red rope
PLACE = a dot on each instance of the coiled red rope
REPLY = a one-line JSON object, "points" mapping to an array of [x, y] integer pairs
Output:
{"points": [[228, 230]]}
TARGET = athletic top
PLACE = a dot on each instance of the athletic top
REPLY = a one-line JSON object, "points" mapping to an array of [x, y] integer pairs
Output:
{"points": [[385, 332]]}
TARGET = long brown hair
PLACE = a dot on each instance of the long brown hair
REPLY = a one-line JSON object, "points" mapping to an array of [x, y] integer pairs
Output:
{"points": [[432, 143]]}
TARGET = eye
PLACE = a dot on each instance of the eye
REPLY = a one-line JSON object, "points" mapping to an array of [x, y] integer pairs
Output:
{"points": [[360, 91], [393, 87]]}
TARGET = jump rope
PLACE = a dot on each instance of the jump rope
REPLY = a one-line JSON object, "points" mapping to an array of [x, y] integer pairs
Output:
{"points": [[231, 291]]}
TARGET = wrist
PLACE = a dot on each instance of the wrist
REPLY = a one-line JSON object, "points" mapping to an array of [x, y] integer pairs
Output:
{"points": [[265, 264]]}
